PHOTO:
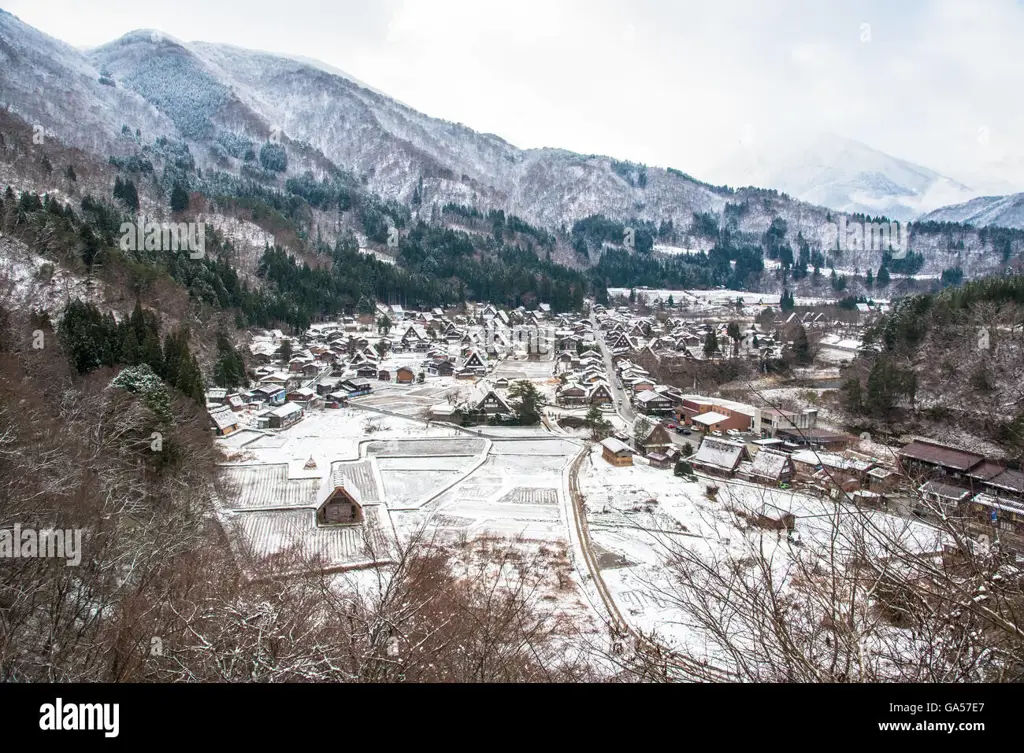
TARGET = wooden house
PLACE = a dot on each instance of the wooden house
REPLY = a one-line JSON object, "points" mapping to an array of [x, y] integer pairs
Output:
{"points": [[287, 415], [616, 452], [338, 503]]}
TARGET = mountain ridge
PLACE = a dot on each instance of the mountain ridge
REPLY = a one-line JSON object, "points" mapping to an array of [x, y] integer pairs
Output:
{"points": [[222, 102]]}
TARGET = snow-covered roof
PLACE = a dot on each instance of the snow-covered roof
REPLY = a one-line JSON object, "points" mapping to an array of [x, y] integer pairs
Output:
{"points": [[648, 395], [710, 418], [614, 446], [481, 390], [224, 418], [331, 483], [946, 491], [720, 453], [769, 464], [999, 503], [286, 410], [830, 460]]}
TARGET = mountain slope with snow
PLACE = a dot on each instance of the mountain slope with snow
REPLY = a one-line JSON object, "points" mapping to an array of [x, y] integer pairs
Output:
{"points": [[1002, 211], [220, 106], [842, 174]]}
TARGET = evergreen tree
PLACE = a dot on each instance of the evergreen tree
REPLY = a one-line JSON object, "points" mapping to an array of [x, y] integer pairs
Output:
{"points": [[126, 193], [851, 396], [710, 344], [883, 276], [733, 330], [683, 468], [641, 430], [140, 379], [88, 337], [802, 347], [526, 402], [229, 370], [131, 196], [180, 366], [599, 426], [179, 198], [417, 194]]}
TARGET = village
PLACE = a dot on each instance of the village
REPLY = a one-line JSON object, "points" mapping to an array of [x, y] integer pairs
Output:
{"points": [[360, 436]]}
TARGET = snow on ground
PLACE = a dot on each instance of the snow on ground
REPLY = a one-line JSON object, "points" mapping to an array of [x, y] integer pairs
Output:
{"points": [[719, 298], [516, 492], [505, 484], [459, 463], [675, 250], [513, 370], [335, 435], [248, 240], [27, 280], [642, 518]]}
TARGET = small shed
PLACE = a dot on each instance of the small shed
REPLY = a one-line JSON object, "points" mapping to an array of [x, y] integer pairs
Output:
{"points": [[616, 452], [659, 460], [775, 518]]}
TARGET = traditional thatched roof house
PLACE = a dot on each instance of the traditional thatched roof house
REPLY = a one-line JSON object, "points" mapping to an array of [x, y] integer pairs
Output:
{"points": [[338, 503], [720, 457], [769, 467]]}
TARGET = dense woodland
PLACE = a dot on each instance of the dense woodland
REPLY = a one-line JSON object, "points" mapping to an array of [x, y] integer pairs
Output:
{"points": [[950, 358]]}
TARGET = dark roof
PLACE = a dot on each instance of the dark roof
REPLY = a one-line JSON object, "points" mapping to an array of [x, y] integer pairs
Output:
{"points": [[1008, 480], [937, 454], [986, 470], [946, 491], [822, 434]]}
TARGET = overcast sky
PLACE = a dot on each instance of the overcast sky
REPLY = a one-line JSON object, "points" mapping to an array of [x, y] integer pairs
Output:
{"points": [[676, 83]]}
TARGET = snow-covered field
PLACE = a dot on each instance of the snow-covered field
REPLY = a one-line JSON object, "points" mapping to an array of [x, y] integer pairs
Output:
{"points": [[716, 298], [643, 519], [413, 479]]}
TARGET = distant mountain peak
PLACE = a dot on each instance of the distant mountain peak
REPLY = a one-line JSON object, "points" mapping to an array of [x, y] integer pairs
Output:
{"points": [[840, 173], [983, 211]]}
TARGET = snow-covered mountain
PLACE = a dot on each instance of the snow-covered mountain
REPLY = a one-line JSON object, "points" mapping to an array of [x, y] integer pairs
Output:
{"points": [[1004, 211], [205, 94], [53, 85], [225, 103], [841, 174]]}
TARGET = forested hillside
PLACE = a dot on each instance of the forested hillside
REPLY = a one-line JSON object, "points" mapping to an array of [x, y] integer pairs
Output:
{"points": [[946, 360]]}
